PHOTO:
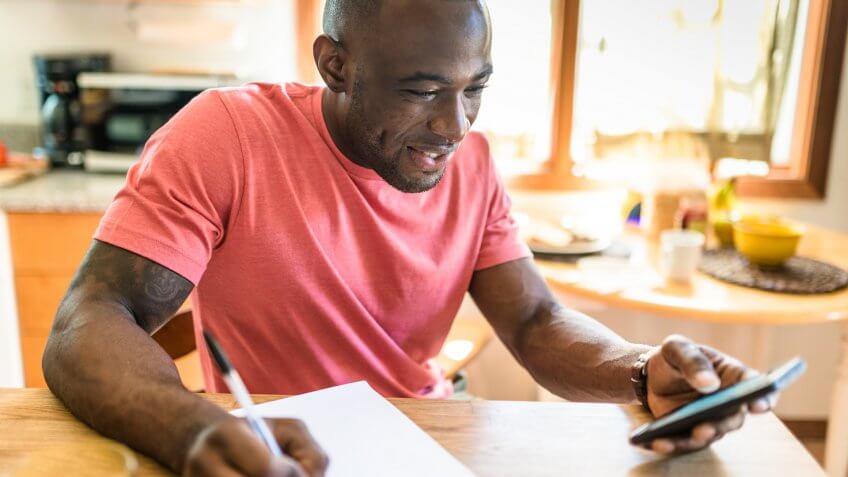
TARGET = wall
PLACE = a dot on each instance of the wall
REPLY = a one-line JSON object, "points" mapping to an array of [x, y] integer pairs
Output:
{"points": [[261, 44], [11, 367]]}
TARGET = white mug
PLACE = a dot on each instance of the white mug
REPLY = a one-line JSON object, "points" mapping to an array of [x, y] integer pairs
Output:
{"points": [[681, 253]]}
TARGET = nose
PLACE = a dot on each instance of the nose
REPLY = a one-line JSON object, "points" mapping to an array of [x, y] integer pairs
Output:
{"points": [[450, 120]]}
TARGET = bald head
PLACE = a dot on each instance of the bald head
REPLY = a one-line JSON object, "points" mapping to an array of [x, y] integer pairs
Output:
{"points": [[341, 15]]}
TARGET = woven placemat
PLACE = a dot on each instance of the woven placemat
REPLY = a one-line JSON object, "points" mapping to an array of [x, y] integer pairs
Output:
{"points": [[798, 275]]}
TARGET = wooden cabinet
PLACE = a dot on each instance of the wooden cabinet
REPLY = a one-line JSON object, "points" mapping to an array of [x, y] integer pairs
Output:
{"points": [[47, 248], [46, 251]]}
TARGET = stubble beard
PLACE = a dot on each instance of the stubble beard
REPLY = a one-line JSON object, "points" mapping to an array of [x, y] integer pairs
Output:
{"points": [[371, 151]]}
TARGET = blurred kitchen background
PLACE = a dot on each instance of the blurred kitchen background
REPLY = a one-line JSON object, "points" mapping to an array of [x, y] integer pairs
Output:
{"points": [[595, 107]]}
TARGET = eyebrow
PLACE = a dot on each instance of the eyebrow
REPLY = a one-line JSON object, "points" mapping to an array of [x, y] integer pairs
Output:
{"points": [[424, 76]]}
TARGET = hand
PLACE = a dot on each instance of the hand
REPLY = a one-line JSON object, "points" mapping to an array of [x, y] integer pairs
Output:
{"points": [[230, 448], [679, 372]]}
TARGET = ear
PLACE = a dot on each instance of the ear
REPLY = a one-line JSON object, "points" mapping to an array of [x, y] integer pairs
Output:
{"points": [[330, 59]]}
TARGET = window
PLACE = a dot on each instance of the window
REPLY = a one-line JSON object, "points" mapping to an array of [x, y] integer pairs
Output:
{"points": [[662, 81], [516, 110], [676, 80]]}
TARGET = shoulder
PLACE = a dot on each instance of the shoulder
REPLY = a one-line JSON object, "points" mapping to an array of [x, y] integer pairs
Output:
{"points": [[247, 94], [201, 134], [262, 97], [256, 107]]}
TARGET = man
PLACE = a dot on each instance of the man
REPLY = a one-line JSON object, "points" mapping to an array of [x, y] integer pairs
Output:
{"points": [[329, 235]]}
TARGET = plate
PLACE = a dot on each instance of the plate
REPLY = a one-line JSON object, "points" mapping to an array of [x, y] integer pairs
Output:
{"points": [[576, 247]]}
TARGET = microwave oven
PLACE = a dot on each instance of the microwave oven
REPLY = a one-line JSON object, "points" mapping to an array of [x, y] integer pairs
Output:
{"points": [[121, 111]]}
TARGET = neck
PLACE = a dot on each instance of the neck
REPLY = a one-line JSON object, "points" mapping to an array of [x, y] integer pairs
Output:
{"points": [[334, 108]]}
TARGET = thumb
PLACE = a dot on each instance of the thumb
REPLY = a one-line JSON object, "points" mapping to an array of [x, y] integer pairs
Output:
{"points": [[688, 358]]}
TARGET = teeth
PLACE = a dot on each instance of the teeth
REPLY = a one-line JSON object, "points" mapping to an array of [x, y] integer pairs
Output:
{"points": [[431, 155]]}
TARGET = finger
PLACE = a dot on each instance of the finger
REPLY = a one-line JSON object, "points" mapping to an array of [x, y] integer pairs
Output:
{"points": [[706, 431], [715, 430], [298, 442], [285, 467], [210, 464], [685, 356], [678, 445], [688, 444], [760, 405], [731, 423], [763, 404], [662, 446], [702, 435], [243, 449], [698, 440]]}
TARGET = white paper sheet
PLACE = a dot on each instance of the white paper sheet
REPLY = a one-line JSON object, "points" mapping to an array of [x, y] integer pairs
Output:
{"points": [[364, 434]]}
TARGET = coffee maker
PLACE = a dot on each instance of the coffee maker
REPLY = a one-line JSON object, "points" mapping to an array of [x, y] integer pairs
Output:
{"points": [[63, 134]]}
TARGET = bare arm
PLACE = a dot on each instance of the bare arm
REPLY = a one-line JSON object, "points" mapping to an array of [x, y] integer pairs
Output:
{"points": [[577, 358], [568, 352], [102, 363]]}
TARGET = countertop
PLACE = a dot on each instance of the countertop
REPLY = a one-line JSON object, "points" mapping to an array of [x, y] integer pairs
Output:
{"points": [[64, 191]]}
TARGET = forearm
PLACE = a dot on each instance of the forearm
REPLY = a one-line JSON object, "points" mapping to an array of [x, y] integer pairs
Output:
{"points": [[576, 357], [113, 376]]}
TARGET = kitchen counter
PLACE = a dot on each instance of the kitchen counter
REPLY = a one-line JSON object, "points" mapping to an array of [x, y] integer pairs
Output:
{"points": [[64, 191]]}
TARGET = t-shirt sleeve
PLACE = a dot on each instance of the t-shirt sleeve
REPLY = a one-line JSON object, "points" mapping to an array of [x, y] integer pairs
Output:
{"points": [[182, 194], [501, 240]]}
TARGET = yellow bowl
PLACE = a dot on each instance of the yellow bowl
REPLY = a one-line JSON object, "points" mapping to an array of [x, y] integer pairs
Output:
{"points": [[767, 240]]}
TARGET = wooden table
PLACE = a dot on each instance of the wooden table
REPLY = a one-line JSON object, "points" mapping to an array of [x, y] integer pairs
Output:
{"points": [[707, 299], [491, 438]]}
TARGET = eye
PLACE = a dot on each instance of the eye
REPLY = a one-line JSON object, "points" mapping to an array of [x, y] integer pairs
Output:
{"points": [[420, 93], [475, 91]]}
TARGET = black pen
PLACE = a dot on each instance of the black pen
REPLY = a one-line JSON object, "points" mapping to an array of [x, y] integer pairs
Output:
{"points": [[236, 386]]}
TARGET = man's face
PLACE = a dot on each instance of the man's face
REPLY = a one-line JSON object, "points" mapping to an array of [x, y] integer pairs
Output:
{"points": [[417, 88]]}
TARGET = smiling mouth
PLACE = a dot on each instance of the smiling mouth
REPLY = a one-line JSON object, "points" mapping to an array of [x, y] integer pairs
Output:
{"points": [[429, 160]]}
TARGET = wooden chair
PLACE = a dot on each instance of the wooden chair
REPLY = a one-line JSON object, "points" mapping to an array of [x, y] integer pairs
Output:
{"points": [[177, 339]]}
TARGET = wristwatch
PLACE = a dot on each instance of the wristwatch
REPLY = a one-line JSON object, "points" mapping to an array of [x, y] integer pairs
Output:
{"points": [[639, 378]]}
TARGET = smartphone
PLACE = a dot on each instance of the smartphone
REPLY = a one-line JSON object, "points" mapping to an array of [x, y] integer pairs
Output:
{"points": [[720, 404]]}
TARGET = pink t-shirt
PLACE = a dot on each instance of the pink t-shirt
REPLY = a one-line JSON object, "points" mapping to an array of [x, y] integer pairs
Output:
{"points": [[310, 270]]}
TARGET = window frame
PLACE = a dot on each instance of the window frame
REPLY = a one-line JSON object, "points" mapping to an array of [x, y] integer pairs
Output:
{"points": [[307, 17], [806, 174]]}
